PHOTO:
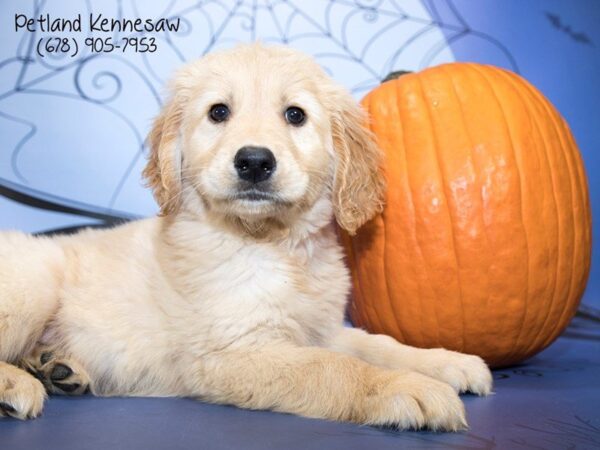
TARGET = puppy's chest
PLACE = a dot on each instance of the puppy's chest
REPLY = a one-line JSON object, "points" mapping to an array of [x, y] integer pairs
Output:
{"points": [[257, 294]]}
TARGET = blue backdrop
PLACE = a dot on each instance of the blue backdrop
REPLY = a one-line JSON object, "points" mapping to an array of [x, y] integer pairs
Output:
{"points": [[72, 128]]}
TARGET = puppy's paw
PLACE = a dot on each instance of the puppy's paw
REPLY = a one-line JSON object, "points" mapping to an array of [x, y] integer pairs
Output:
{"points": [[60, 375], [465, 373], [21, 395], [409, 400]]}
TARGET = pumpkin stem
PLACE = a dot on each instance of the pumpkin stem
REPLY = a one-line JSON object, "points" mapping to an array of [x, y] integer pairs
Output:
{"points": [[395, 74]]}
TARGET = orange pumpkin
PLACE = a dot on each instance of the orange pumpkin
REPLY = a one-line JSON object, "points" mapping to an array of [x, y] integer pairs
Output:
{"points": [[484, 243]]}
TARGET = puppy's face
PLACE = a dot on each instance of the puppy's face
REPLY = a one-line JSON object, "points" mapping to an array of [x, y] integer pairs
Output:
{"points": [[258, 140], [261, 133]]}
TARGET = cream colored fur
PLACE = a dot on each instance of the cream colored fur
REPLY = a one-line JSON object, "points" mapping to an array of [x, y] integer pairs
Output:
{"points": [[227, 300]]}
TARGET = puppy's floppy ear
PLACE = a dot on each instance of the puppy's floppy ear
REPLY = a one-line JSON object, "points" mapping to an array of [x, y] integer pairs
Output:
{"points": [[358, 185], [163, 170]]}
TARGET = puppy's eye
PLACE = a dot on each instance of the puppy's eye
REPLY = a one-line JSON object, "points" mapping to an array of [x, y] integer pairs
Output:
{"points": [[219, 112], [295, 116]]}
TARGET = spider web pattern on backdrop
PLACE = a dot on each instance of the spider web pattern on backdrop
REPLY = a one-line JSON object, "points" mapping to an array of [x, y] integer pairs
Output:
{"points": [[95, 109]]}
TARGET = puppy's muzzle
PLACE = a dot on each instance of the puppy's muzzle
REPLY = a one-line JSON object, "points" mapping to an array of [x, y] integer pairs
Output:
{"points": [[254, 164]]}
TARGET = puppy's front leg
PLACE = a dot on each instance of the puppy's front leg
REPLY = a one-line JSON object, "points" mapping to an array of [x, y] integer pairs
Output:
{"points": [[463, 372], [318, 383]]}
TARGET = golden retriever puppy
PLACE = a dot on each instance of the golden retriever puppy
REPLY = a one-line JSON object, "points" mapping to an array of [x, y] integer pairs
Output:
{"points": [[236, 293]]}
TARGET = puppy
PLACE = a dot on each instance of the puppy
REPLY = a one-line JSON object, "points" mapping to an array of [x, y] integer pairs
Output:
{"points": [[235, 294]]}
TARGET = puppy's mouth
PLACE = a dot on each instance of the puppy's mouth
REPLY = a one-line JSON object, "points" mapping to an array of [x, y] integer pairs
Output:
{"points": [[257, 195]]}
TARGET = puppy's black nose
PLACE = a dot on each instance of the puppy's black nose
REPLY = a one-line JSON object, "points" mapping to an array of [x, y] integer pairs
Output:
{"points": [[254, 164]]}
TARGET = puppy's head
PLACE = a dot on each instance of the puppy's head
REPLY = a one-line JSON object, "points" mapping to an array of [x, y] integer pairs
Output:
{"points": [[260, 134]]}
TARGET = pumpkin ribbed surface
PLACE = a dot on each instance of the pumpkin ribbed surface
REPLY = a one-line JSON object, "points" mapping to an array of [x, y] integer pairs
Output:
{"points": [[484, 243]]}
